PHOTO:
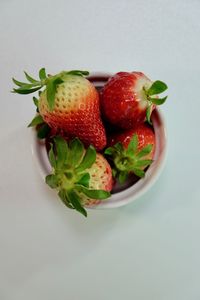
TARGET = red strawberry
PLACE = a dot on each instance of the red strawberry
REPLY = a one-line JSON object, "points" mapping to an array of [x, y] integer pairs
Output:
{"points": [[69, 105], [129, 98], [81, 177], [131, 151]]}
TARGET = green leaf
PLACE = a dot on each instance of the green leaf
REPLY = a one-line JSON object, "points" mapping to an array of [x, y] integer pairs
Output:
{"points": [[110, 151], [119, 147], [93, 194], [143, 163], [29, 78], [146, 150], [35, 101], [148, 114], [138, 172], [75, 200], [133, 145], [156, 88], [63, 196], [114, 172], [26, 90], [77, 72], [84, 180], [43, 131], [61, 150], [52, 158], [58, 80], [123, 176], [88, 159], [52, 181], [77, 151], [36, 121], [51, 90], [19, 83], [42, 74], [158, 101]]}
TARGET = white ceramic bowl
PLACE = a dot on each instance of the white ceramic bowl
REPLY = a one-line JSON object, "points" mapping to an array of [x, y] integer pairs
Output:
{"points": [[142, 185]]}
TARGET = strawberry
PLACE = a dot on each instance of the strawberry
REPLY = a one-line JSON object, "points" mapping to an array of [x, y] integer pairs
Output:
{"points": [[81, 177], [131, 151], [69, 104], [100, 179], [128, 99]]}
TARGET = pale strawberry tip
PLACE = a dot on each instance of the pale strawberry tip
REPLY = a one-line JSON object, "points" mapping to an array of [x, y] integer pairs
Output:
{"points": [[70, 176], [129, 160]]}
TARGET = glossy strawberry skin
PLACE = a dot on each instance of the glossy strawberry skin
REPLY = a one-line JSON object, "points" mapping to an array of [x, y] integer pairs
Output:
{"points": [[123, 99], [145, 136], [76, 112]]}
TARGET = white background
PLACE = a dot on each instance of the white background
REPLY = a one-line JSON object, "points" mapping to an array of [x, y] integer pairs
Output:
{"points": [[148, 250]]}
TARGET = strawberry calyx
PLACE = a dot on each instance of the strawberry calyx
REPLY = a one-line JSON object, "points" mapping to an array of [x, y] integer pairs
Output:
{"points": [[129, 160], [70, 163], [48, 81], [151, 93], [42, 128]]}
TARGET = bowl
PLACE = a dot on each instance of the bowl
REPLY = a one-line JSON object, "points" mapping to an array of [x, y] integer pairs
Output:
{"points": [[133, 191]]}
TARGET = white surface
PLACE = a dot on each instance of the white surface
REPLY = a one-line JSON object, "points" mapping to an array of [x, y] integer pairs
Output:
{"points": [[148, 249]]}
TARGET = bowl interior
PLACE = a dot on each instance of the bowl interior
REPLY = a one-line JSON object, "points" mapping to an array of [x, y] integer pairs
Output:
{"points": [[134, 188]]}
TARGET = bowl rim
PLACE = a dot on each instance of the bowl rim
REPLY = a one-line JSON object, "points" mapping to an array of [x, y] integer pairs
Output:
{"points": [[133, 192]]}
